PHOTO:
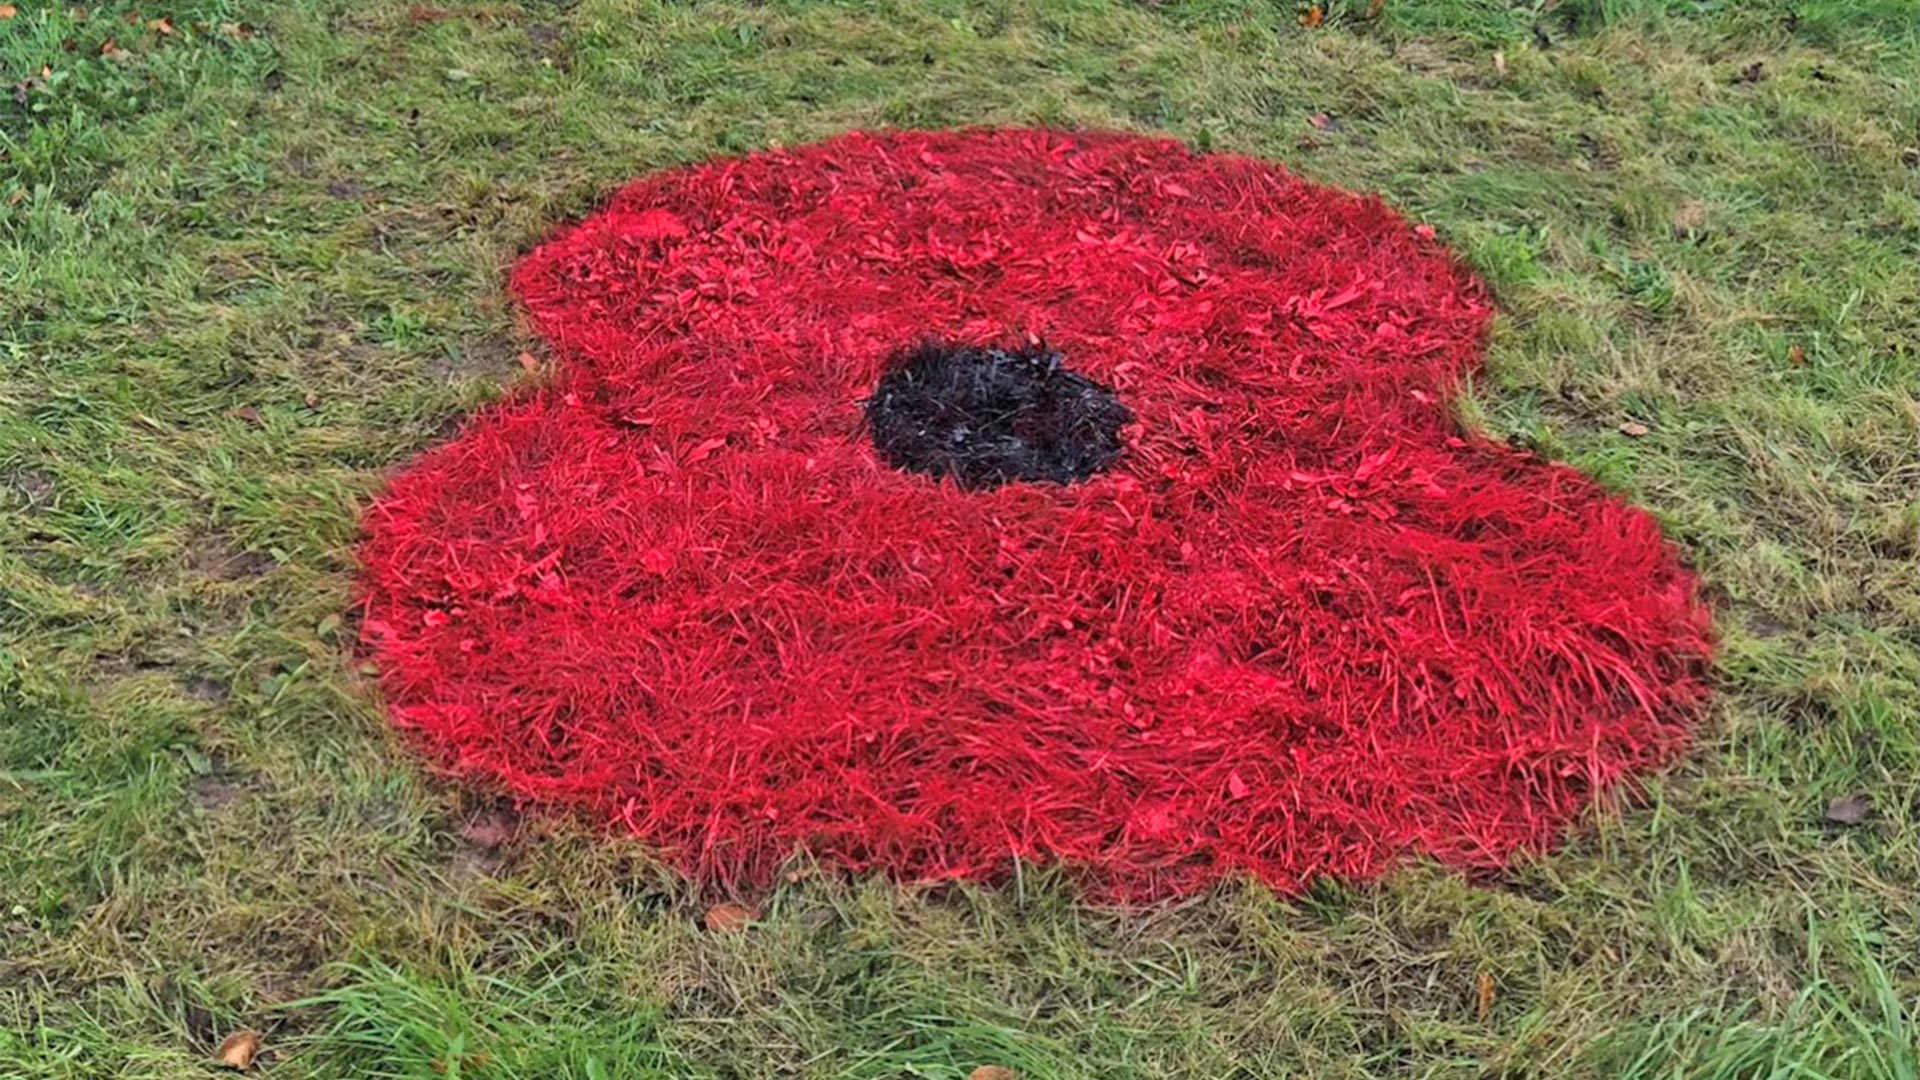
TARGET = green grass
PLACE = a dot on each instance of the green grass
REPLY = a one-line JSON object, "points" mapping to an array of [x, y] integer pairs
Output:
{"points": [[247, 267]]}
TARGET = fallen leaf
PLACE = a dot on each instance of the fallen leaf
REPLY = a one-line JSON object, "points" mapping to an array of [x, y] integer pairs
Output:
{"points": [[705, 450], [238, 31], [111, 50], [1851, 809], [1486, 994], [161, 26], [311, 400], [250, 414], [1690, 218], [8, 11], [18, 196], [993, 1072], [1500, 62], [1633, 429], [727, 918], [1796, 355], [239, 1050], [1321, 121], [1313, 16], [1375, 10], [529, 363], [1237, 788]]}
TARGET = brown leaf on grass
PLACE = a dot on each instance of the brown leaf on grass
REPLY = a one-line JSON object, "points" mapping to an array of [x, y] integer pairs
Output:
{"points": [[1634, 429], [1313, 16], [239, 1050], [237, 31], [1485, 994], [993, 1072], [423, 14], [529, 363], [162, 26], [1690, 217], [727, 918], [310, 399], [1852, 809], [8, 11], [250, 414], [111, 50], [1796, 355], [1321, 121], [1500, 62], [1374, 10]]}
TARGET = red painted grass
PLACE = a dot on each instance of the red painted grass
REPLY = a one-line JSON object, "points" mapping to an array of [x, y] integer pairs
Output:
{"points": [[1303, 627]]}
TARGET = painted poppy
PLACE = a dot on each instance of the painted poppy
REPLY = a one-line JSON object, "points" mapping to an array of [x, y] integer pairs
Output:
{"points": [[924, 501]]}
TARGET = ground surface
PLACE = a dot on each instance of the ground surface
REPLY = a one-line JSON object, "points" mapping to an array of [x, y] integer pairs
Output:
{"points": [[251, 257]]}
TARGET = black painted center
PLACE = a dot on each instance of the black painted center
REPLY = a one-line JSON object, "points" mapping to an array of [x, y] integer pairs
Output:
{"points": [[989, 416]]}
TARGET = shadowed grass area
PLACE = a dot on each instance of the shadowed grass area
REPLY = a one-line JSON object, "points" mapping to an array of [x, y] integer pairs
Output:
{"points": [[253, 259]]}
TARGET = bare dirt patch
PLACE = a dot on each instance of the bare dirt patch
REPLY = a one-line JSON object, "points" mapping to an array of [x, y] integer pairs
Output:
{"points": [[218, 557], [31, 486]]}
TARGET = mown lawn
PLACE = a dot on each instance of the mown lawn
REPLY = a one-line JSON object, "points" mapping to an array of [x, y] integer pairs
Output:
{"points": [[251, 258]]}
